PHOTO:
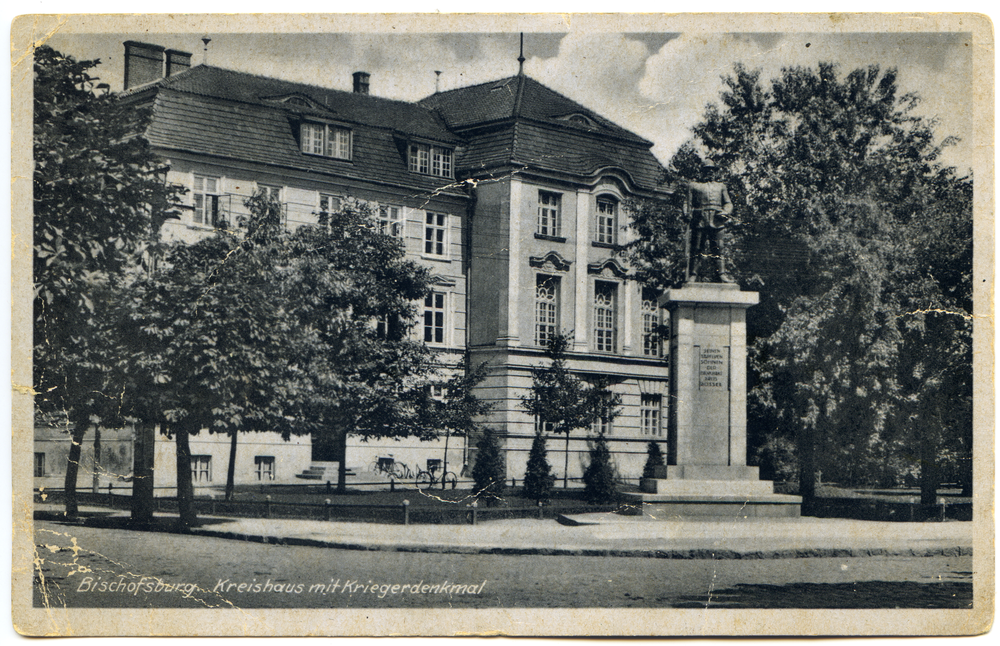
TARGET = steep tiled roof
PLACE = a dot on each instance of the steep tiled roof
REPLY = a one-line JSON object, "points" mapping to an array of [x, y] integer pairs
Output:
{"points": [[518, 96], [519, 121], [212, 111]]}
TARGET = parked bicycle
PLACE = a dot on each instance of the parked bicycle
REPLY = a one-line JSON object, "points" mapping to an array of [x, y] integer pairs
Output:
{"points": [[389, 467], [429, 478]]}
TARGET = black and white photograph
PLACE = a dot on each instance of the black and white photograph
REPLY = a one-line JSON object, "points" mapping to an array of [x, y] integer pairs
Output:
{"points": [[668, 319]]}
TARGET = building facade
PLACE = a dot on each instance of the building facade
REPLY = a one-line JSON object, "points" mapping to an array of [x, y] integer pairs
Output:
{"points": [[510, 193]]}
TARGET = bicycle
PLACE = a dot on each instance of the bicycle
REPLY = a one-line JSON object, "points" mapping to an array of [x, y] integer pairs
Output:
{"points": [[427, 479]]}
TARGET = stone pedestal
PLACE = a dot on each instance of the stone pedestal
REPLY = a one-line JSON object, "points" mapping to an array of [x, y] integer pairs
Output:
{"points": [[707, 473]]}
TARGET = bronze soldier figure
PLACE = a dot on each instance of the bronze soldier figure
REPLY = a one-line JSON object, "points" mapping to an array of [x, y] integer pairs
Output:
{"points": [[708, 208]]}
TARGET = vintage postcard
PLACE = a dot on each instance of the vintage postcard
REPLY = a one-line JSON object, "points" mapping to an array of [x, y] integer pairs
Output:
{"points": [[532, 325]]}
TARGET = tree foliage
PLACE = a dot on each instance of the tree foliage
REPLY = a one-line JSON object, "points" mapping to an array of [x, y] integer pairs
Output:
{"points": [[600, 484], [860, 242], [490, 470], [654, 458], [563, 402], [538, 474], [99, 198], [259, 328]]}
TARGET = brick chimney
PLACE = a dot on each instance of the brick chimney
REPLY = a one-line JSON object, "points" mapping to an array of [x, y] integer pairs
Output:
{"points": [[177, 61], [143, 63], [361, 82]]}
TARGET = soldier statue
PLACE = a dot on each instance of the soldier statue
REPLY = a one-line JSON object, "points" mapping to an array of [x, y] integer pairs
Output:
{"points": [[707, 209]]}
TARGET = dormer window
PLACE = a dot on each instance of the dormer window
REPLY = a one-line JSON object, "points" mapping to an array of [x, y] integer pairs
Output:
{"points": [[579, 119], [430, 160], [326, 140]]}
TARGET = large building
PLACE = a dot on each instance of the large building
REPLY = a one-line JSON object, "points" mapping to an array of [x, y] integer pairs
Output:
{"points": [[511, 193]]}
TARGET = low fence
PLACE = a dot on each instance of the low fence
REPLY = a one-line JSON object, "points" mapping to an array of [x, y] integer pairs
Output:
{"points": [[405, 513], [887, 510]]}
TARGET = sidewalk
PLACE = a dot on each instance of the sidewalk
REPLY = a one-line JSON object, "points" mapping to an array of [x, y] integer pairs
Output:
{"points": [[603, 535]]}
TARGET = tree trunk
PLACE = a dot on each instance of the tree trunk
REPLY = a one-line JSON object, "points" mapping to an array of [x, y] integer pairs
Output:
{"points": [[96, 482], [566, 463], [807, 463], [72, 469], [444, 467], [185, 487], [231, 471], [342, 464], [142, 474], [929, 473]]}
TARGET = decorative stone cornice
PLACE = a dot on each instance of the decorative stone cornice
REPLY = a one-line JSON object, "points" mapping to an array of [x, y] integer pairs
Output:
{"points": [[551, 261], [609, 268]]}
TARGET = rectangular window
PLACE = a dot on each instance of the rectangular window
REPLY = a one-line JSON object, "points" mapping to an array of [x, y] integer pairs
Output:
{"points": [[272, 193], [430, 160], [206, 200], [549, 218], [546, 309], [605, 316], [544, 427], [326, 140], [602, 426], [39, 465], [327, 204], [649, 411], [436, 234], [264, 466], [201, 468], [390, 221], [434, 318], [650, 325], [607, 221]]}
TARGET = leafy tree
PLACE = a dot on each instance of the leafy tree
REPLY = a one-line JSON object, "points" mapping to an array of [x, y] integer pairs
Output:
{"points": [[352, 291], [211, 342], [654, 458], [490, 470], [458, 412], [563, 402], [860, 242], [99, 198], [599, 478], [538, 474]]}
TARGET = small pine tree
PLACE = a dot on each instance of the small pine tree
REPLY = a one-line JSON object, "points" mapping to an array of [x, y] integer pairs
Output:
{"points": [[599, 477], [538, 474], [490, 470], [654, 458]]}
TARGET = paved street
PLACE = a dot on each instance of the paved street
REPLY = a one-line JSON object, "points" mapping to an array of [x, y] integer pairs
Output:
{"points": [[93, 567]]}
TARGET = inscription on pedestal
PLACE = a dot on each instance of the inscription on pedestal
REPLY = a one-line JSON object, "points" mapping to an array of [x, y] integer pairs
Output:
{"points": [[713, 368]]}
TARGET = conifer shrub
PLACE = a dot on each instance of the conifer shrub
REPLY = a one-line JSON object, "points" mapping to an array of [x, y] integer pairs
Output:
{"points": [[599, 477], [654, 458], [538, 474], [490, 470]]}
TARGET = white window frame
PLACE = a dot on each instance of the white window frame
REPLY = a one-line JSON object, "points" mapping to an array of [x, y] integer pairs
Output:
{"points": [[605, 316], [435, 318], [264, 465], [428, 159], [201, 468], [606, 230], [546, 308], [549, 214], [651, 415], [602, 426], [436, 234], [326, 140], [390, 220], [652, 345], [271, 191], [205, 196]]}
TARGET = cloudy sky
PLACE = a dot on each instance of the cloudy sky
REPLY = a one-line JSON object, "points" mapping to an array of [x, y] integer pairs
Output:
{"points": [[654, 83]]}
